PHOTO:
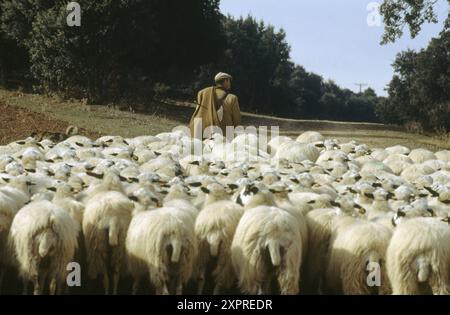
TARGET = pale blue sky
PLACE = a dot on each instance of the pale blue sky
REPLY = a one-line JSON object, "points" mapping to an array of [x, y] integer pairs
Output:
{"points": [[332, 37]]}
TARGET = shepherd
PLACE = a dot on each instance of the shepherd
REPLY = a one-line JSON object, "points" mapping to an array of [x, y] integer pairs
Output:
{"points": [[216, 107]]}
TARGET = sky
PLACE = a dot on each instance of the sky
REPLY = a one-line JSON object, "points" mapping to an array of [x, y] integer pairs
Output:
{"points": [[334, 39]]}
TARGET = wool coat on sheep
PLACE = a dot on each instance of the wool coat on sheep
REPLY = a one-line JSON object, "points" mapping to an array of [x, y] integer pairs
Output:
{"points": [[208, 102]]}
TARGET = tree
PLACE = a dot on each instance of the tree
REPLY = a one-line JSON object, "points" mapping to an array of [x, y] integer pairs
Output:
{"points": [[419, 89], [413, 13], [120, 46]]}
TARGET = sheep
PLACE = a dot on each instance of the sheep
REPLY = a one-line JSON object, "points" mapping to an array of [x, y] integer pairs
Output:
{"points": [[418, 257], [11, 200], [214, 228], [443, 155], [353, 249], [320, 224], [397, 162], [398, 149], [379, 154], [267, 245], [17, 190], [310, 137], [421, 155], [275, 143], [380, 205], [105, 223], [162, 243], [297, 152], [44, 240]]}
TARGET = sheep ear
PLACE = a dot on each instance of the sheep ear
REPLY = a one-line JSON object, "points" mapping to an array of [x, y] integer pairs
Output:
{"points": [[30, 183], [123, 179], [233, 186], [335, 204], [133, 198], [6, 180], [51, 189], [430, 211], [390, 195], [20, 142], [295, 180], [164, 192], [239, 200], [260, 178], [313, 201], [155, 200], [79, 144], [432, 192], [124, 141], [401, 213], [114, 154], [157, 153], [197, 184], [423, 195], [273, 191], [49, 161], [99, 176], [254, 190], [369, 195], [134, 180], [195, 163], [376, 185], [205, 190], [357, 206]]}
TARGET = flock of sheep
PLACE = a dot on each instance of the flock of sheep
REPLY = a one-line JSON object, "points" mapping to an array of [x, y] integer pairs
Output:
{"points": [[310, 215]]}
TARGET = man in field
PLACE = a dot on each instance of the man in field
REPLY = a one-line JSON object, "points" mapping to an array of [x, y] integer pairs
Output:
{"points": [[216, 107]]}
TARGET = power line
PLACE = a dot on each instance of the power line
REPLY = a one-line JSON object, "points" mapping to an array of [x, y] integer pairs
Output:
{"points": [[361, 85]]}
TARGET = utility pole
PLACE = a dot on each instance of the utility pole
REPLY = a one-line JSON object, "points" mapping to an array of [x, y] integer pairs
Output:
{"points": [[361, 85]]}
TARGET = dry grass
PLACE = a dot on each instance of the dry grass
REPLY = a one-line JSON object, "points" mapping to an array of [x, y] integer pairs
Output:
{"points": [[162, 117]]}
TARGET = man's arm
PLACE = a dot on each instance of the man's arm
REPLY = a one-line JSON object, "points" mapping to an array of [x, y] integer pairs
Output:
{"points": [[236, 113]]}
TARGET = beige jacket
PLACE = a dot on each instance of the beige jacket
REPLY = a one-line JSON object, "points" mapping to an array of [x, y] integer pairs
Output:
{"points": [[208, 102]]}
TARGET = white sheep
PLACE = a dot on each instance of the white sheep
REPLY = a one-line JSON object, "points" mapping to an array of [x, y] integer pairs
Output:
{"points": [[214, 228], [355, 251], [44, 240], [267, 245], [421, 155], [310, 137], [418, 257], [297, 152], [105, 223], [320, 224], [162, 243]]}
